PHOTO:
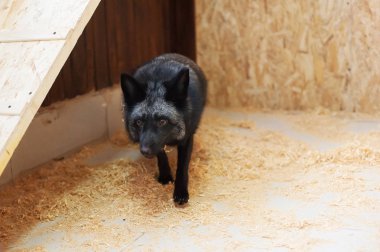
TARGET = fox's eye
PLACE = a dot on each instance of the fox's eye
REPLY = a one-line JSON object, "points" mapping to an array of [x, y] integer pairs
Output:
{"points": [[139, 123], [162, 122]]}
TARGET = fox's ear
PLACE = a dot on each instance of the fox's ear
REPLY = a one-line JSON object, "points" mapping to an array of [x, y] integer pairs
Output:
{"points": [[177, 87], [133, 91]]}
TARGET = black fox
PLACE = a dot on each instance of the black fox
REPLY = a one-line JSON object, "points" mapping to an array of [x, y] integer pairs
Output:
{"points": [[164, 101]]}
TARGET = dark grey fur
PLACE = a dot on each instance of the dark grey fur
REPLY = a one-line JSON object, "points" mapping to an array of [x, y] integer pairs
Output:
{"points": [[164, 101]]}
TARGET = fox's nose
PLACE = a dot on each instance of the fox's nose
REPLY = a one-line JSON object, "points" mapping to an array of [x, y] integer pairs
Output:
{"points": [[146, 151]]}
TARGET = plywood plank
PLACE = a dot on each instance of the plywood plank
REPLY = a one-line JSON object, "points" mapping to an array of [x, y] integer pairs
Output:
{"points": [[28, 69], [7, 124], [42, 14], [31, 35], [5, 8], [22, 71]]}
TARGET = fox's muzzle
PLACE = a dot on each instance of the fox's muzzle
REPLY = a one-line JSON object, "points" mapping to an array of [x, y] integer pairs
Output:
{"points": [[149, 146], [146, 151]]}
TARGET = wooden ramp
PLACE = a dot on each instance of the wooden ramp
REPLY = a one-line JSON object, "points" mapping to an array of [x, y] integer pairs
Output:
{"points": [[36, 38]]}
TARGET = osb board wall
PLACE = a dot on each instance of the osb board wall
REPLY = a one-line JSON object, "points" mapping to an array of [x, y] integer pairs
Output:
{"points": [[291, 54]]}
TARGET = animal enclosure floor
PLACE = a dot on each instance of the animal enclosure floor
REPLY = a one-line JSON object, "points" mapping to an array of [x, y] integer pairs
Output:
{"points": [[259, 181]]}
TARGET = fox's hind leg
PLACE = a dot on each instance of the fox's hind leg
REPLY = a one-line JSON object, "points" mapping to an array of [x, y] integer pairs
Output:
{"points": [[181, 194], [164, 176]]}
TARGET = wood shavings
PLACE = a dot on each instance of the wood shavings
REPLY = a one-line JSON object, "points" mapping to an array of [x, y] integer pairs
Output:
{"points": [[244, 124], [240, 175], [120, 139]]}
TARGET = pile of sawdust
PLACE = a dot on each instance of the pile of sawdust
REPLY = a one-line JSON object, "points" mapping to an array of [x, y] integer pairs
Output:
{"points": [[233, 162]]}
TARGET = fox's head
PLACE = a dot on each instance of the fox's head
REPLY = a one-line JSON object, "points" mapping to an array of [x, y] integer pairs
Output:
{"points": [[153, 110]]}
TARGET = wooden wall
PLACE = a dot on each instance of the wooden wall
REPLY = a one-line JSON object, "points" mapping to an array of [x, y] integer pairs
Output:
{"points": [[291, 54], [121, 35]]}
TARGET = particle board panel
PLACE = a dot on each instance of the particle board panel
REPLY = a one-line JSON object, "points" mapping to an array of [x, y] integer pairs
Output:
{"points": [[291, 54], [28, 68]]}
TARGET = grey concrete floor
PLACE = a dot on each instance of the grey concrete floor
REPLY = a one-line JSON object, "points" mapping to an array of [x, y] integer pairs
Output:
{"points": [[355, 235]]}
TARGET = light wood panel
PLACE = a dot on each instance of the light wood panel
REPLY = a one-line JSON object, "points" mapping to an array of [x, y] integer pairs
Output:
{"points": [[29, 66]]}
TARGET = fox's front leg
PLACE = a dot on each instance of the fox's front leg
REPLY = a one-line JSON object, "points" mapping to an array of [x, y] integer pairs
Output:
{"points": [[164, 176], [181, 194]]}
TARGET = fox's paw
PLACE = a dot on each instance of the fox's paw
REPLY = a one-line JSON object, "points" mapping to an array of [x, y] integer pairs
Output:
{"points": [[180, 197], [165, 179]]}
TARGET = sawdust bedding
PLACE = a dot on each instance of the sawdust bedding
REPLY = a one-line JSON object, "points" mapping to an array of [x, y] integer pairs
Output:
{"points": [[235, 165]]}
